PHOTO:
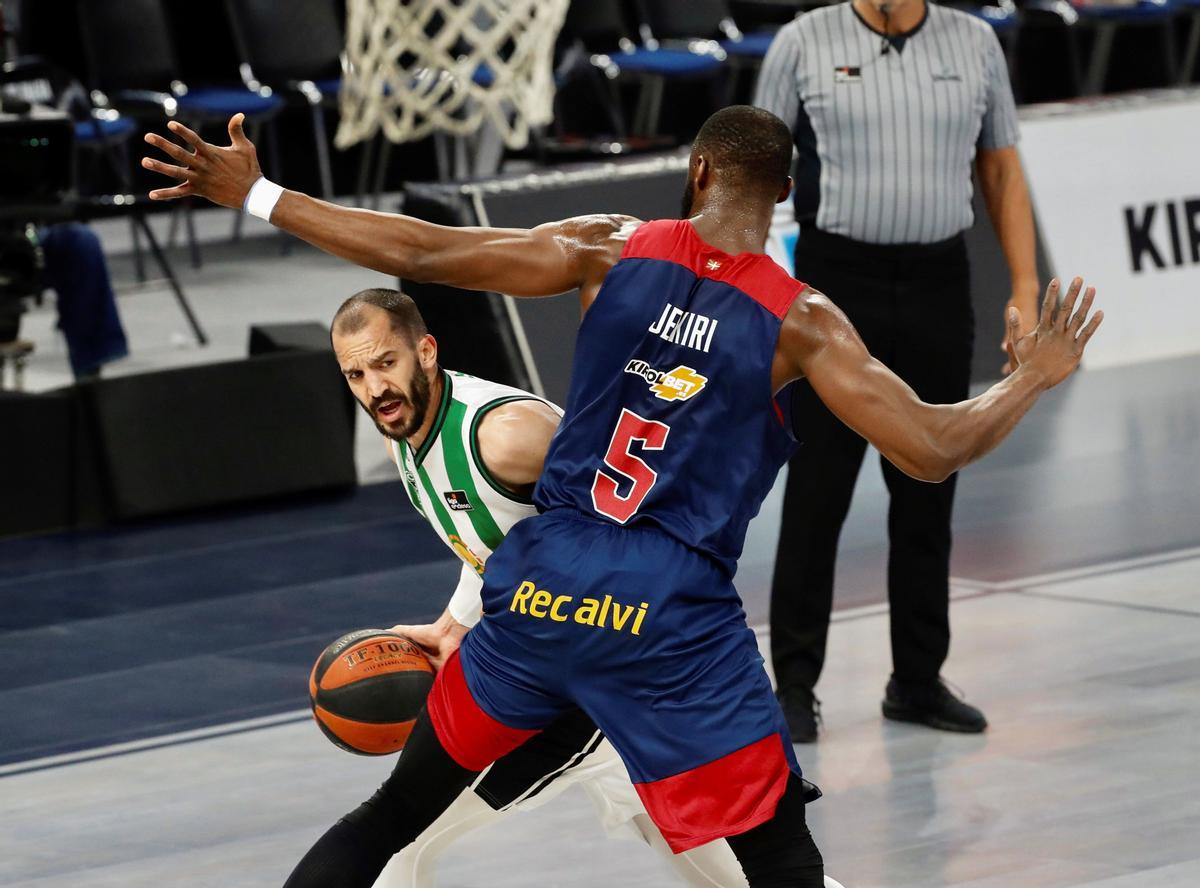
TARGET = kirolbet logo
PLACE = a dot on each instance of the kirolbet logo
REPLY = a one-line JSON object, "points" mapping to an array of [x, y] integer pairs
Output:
{"points": [[670, 385]]}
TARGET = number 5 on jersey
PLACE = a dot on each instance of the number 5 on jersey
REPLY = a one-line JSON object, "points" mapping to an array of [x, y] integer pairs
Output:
{"points": [[605, 498]]}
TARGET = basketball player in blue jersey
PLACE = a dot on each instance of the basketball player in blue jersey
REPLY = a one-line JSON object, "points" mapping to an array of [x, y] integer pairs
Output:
{"points": [[470, 452], [618, 597]]}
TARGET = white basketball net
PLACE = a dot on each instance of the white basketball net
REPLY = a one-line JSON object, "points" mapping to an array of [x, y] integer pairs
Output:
{"points": [[414, 66]]}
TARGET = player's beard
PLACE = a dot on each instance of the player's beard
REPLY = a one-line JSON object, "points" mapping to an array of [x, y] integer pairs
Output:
{"points": [[689, 197], [418, 400]]}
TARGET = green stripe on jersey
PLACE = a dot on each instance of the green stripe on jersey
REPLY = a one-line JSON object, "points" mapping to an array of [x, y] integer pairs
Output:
{"points": [[443, 516], [439, 419], [409, 481], [458, 470]]}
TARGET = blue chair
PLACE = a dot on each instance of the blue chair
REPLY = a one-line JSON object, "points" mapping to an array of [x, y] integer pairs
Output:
{"points": [[102, 125], [101, 135], [711, 20], [104, 133], [671, 21], [131, 60], [295, 48], [132, 65], [1105, 21], [599, 28], [1050, 50]]}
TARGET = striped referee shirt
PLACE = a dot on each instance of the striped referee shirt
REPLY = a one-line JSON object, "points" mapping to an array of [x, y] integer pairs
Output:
{"points": [[886, 140]]}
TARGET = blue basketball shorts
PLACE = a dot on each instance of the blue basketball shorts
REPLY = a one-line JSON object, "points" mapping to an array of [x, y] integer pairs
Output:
{"points": [[649, 638]]}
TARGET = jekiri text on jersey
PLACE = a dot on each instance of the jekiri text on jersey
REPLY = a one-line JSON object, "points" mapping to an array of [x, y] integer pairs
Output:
{"points": [[685, 328]]}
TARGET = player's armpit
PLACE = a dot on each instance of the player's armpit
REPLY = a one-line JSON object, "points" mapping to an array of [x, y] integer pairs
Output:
{"points": [[818, 342], [513, 439]]}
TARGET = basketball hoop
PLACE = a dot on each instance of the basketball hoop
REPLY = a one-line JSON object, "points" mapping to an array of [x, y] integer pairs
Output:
{"points": [[419, 66]]}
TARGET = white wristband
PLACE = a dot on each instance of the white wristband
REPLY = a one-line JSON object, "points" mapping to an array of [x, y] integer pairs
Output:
{"points": [[262, 197]]}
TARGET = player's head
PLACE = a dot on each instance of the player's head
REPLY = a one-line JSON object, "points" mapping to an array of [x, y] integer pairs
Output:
{"points": [[387, 357], [743, 153]]}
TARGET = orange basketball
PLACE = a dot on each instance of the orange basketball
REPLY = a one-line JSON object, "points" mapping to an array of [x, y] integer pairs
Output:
{"points": [[367, 688]]}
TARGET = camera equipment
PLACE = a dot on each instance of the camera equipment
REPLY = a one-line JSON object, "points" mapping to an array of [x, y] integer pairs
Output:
{"points": [[35, 153]]}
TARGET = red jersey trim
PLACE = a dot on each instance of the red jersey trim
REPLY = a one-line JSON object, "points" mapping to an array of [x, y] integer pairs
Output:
{"points": [[472, 737], [755, 274], [725, 797]]}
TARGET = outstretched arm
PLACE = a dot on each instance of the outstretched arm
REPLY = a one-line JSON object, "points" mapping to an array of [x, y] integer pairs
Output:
{"points": [[930, 441], [542, 261]]}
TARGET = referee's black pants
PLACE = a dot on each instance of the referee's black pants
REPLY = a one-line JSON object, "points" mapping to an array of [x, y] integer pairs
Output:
{"points": [[911, 305]]}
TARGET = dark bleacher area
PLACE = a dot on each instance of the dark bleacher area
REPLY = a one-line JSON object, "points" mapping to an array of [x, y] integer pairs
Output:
{"points": [[1050, 54], [207, 55]]}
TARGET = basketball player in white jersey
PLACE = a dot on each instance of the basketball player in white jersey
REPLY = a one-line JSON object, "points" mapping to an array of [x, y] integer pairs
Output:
{"points": [[470, 452]]}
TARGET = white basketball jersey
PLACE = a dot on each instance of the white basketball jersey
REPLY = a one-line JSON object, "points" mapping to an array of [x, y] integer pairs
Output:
{"points": [[447, 482]]}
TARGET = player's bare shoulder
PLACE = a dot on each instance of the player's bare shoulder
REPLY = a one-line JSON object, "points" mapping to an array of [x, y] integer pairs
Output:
{"points": [[815, 312], [812, 323], [597, 238], [513, 439], [595, 243]]}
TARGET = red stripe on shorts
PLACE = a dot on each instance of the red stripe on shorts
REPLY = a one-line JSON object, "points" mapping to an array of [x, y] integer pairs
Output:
{"points": [[472, 737], [726, 797]]}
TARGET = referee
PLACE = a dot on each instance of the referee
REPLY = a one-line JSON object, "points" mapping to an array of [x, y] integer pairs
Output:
{"points": [[889, 104]]}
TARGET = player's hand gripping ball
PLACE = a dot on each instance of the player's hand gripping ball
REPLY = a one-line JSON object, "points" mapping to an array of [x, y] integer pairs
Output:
{"points": [[367, 688]]}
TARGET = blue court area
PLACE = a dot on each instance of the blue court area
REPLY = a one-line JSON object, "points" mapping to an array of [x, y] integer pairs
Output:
{"points": [[123, 634], [155, 680], [157, 628]]}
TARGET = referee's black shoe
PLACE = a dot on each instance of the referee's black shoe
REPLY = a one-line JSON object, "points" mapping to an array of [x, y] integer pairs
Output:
{"points": [[934, 705], [802, 710]]}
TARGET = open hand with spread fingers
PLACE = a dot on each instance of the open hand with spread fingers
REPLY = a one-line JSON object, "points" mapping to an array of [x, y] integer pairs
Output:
{"points": [[223, 175], [1053, 348]]}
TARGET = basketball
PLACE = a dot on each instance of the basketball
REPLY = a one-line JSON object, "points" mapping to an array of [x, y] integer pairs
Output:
{"points": [[366, 690]]}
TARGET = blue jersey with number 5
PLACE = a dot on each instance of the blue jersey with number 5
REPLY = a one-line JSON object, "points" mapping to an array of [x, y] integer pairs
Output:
{"points": [[671, 422]]}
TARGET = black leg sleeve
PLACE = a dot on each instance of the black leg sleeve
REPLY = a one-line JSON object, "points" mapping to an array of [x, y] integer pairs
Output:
{"points": [[781, 853], [356, 848]]}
